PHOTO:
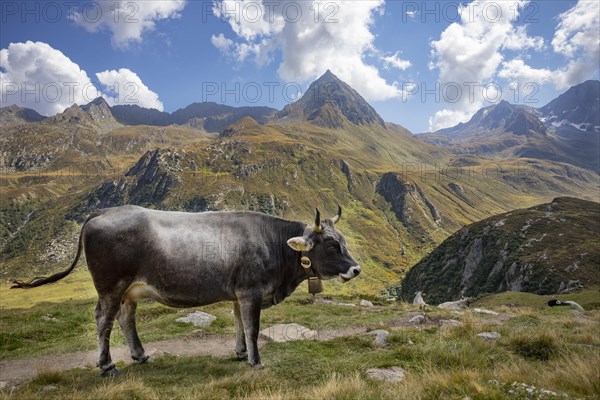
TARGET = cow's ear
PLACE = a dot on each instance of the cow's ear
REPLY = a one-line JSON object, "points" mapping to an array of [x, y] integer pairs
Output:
{"points": [[301, 243]]}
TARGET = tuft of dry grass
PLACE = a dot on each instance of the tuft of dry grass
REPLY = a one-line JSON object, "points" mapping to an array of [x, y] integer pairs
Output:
{"points": [[129, 388]]}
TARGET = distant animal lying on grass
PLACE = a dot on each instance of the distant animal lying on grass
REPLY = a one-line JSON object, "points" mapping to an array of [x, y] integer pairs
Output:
{"points": [[193, 259], [569, 303], [418, 301], [456, 305]]}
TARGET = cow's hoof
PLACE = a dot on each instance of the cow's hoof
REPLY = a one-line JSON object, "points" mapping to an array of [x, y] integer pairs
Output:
{"points": [[258, 367], [110, 373], [141, 359], [241, 356]]}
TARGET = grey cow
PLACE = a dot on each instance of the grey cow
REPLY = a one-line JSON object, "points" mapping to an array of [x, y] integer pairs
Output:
{"points": [[192, 259]]}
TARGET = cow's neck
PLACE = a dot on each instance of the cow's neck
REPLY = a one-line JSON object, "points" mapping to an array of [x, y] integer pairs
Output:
{"points": [[293, 274]]}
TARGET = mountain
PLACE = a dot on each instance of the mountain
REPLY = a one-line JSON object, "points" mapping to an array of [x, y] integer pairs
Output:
{"points": [[401, 196], [547, 249], [328, 101], [576, 109], [515, 119], [15, 115], [505, 130], [211, 117], [132, 114]]}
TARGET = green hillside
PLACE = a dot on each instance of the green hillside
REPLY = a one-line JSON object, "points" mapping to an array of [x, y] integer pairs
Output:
{"points": [[547, 249]]}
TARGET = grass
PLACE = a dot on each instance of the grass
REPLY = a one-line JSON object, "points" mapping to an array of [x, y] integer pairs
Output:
{"points": [[548, 349], [69, 326]]}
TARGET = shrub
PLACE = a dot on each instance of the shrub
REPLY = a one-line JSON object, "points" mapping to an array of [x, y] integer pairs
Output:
{"points": [[542, 347]]}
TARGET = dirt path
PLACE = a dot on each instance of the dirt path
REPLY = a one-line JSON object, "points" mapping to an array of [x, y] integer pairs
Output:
{"points": [[195, 344], [202, 344]]}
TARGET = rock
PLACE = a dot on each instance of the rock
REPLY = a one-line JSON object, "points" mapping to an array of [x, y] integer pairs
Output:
{"points": [[49, 317], [3, 384], [49, 388], [410, 342], [393, 374], [417, 319], [448, 323], [482, 311], [365, 303], [489, 336], [380, 337], [287, 332], [326, 301], [198, 318]]}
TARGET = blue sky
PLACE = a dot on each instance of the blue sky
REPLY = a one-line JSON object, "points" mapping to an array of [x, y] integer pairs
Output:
{"points": [[167, 55]]}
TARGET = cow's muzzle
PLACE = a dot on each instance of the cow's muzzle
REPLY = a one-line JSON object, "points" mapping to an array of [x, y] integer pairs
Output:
{"points": [[352, 272]]}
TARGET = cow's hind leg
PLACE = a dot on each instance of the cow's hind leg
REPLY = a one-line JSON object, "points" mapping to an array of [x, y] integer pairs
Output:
{"points": [[126, 318], [106, 311], [250, 312], [240, 339]]}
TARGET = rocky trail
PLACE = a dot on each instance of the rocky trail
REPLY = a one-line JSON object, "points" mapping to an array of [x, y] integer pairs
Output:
{"points": [[195, 344], [200, 343]]}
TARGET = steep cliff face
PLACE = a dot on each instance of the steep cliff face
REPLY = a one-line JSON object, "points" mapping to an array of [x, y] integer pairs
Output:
{"points": [[546, 249], [147, 183], [408, 202]]}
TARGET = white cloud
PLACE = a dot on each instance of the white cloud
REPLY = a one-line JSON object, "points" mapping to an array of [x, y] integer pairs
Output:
{"points": [[40, 77], [126, 87], [577, 37], [312, 37], [578, 30], [238, 51], [517, 70], [471, 50], [127, 20], [394, 61], [221, 42], [37, 76]]}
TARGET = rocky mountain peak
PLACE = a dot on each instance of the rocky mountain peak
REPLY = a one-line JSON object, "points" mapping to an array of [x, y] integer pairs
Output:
{"points": [[15, 115], [328, 100], [243, 125], [576, 108], [99, 110]]}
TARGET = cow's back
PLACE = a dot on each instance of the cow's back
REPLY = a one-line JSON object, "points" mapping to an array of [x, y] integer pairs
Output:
{"points": [[191, 258]]}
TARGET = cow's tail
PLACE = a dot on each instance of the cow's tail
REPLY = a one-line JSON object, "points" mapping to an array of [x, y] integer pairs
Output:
{"points": [[42, 280]]}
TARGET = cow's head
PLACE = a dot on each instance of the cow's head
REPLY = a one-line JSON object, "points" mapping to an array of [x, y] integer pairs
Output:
{"points": [[326, 248]]}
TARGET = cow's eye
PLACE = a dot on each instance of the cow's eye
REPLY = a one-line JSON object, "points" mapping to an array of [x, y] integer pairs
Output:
{"points": [[333, 247]]}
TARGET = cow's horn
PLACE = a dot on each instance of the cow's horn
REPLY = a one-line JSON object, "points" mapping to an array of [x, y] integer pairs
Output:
{"points": [[338, 216], [317, 227]]}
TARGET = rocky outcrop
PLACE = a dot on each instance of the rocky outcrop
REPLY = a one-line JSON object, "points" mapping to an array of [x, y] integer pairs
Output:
{"points": [[408, 202], [147, 183]]}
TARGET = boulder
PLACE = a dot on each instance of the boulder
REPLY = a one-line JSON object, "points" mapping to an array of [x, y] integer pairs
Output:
{"points": [[482, 311], [448, 323], [198, 318], [417, 319], [287, 332], [365, 303], [489, 336], [380, 335], [393, 374]]}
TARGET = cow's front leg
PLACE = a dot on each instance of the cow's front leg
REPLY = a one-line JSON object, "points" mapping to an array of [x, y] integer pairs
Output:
{"points": [[250, 312], [240, 339]]}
